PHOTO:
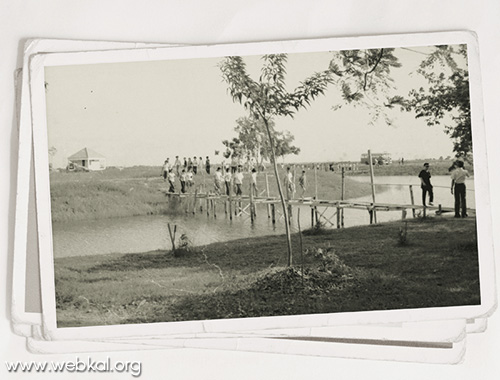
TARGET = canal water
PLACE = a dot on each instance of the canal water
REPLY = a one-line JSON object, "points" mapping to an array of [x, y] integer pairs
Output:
{"points": [[148, 233]]}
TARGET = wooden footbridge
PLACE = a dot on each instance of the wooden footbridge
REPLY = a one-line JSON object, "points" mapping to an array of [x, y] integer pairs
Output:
{"points": [[246, 204], [213, 204]]}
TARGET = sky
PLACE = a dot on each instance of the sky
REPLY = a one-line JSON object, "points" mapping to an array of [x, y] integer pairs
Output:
{"points": [[140, 113]]}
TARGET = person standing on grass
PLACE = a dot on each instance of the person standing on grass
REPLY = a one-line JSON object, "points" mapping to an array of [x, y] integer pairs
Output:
{"points": [[458, 177], [227, 181], [238, 181], [218, 179], [425, 184], [303, 183], [182, 178], [171, 181]]}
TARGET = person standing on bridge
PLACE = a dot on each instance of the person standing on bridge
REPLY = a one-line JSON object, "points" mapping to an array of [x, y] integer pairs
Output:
{"points": [[194, 166], [290, 185], [303, 183], [200, 164], [177, 165], [171, 181], [207, 165], [425, 184], [189, 178], [227, 181], [458, 177], [164, 170], [218, 179], [238, 181], [254, 182], [182, 179], [234, 164]]}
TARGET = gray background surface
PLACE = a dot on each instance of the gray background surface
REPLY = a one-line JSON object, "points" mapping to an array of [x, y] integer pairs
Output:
{"points": [[220, 21]]}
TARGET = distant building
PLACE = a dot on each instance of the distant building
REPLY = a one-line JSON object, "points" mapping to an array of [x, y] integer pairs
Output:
{"points": [[378, 158], [86, 159]]}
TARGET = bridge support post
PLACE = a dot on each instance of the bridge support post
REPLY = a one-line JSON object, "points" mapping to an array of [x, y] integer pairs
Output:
{"points": [[412, 200]]}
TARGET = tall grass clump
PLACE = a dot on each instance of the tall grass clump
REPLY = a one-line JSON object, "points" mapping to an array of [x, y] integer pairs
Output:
{"points": [[96, 200], [403, 235]]}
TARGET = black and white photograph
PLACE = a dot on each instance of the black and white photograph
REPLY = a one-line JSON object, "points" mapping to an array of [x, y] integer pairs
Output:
{"points": [[261, 185], [248, 189]]}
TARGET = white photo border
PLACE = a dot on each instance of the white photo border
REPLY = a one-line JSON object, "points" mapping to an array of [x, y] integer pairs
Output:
{"points": [[23, 251], [485, 243]]}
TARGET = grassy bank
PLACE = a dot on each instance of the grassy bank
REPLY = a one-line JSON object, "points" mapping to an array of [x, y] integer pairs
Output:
{"points": [[140, 191], [353, 269]]}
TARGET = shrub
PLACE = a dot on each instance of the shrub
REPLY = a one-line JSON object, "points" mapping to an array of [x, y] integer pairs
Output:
{"points": [[318, 229], [185, 246]]}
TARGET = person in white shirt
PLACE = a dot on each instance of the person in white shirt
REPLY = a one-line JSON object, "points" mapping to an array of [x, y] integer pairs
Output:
{"points": [[177, 165], [182, 178], [189, 178], [218, 178], [290, 186], [458, 188], [194, 164], [252, 164], [227, 181], [171, 181], [238, 181], [164, 170], [254, 182]]}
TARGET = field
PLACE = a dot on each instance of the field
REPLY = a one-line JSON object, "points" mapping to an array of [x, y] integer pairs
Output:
{"points": [[353, 269]]}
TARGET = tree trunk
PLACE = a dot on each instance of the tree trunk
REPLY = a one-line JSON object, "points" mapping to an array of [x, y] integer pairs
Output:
{"points": [[282, 197]]}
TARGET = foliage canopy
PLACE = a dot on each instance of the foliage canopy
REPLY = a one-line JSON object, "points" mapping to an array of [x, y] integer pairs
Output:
{"points": [[447, 99]]}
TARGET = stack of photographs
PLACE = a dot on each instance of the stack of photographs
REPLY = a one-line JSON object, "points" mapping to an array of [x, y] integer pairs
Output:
{"points": [[313, 197]]}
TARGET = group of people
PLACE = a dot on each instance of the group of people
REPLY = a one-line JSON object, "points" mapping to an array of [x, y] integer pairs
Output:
{"points": [[237, 162], [458, 188], [228, 179], [185, 170], [225, 177], [187, 164], [290, 184]]}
